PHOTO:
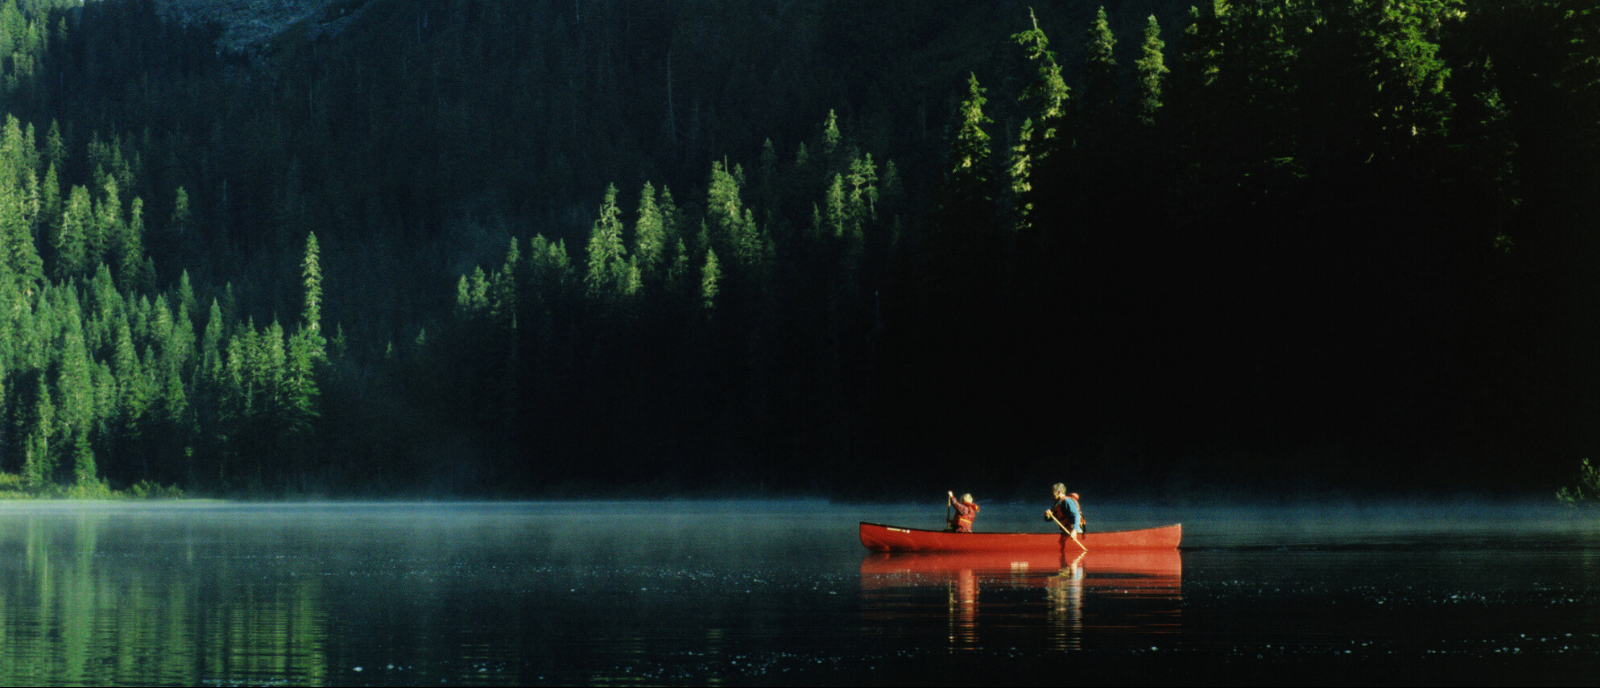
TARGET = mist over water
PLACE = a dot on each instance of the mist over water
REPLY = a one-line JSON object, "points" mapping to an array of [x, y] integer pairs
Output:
{"points": [[781, 591]]}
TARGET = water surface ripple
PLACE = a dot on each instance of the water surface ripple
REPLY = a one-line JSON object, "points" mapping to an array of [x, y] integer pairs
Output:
{"points": [[781, 592]]}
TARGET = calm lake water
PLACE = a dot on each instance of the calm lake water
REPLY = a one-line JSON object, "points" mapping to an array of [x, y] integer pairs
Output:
{"points": [[782, 592]]}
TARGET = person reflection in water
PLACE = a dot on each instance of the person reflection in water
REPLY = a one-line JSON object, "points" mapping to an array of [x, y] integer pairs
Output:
{"points": [[1066, 605], [966, 512], [1066, 512]]}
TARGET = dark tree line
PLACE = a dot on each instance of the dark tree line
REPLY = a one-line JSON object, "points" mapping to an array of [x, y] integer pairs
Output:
{"points": [[830, 246]]}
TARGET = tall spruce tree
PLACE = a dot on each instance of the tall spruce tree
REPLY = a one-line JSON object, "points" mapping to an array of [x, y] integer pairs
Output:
{"points": [[1100, 72], [38, 463], [311, 278], [608, 276], [710, 277], [649, 233], [1047, 99], [70, 239], [1152, 71], [966, 193]]}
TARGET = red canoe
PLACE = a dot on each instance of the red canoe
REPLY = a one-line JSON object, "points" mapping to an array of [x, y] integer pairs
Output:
{"points": [[882, 538]]}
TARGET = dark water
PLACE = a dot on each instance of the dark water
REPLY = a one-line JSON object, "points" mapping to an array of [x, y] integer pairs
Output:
{"points": [[776, 592]]}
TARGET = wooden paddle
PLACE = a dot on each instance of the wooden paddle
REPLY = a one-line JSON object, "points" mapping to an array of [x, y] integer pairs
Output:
{"points": [[1069, 533]]}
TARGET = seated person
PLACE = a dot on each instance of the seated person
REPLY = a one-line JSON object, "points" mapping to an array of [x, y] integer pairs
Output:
{"points": [[966, 513]]}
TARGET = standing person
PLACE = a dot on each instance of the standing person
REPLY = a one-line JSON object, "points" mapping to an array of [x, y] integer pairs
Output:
{"points": [[1066, 513], [966, 513]]}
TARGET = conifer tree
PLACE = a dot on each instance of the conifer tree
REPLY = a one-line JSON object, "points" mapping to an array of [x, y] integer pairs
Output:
{"points": [[836, 207], [21, 256], [678, 274], [734, 225], [710, 274], [105, 391], [967, 181], [302, 391], [608, 266], [32, 203], [864, 188], [1152, 71], [181, 214], [11, 144], [769, 173], [830, 134], [463, 297], [186, 302], [133, 392], [74, 381], [1400, 52], [211, 361], [180, 348], [311, 276], [38, 464], [160, 326], [112, 231], [55, 147], [70, 240], [1100, 70], [1048, 94], [84, 473], [505, 288], [274, 370], [49, 200], [1019, 172], [478, 291], [131, 258], [649, 234]]}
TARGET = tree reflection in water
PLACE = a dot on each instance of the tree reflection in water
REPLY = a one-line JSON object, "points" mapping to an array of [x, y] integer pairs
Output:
{"points": [[86, 604]]}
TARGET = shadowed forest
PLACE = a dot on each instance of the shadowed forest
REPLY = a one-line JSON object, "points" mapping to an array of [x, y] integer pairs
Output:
{"points": [[496, 248]]}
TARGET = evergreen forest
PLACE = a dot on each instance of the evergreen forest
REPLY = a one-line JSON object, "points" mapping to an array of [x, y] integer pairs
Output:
{"points": [[864, 250]]}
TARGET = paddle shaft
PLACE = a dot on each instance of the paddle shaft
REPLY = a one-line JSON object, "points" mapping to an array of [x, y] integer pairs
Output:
{"points": [[1068, 531]]}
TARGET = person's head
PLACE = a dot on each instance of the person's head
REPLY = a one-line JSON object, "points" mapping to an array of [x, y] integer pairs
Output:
{"points": [[1059, 490], [1074, 496], [966, 497]]}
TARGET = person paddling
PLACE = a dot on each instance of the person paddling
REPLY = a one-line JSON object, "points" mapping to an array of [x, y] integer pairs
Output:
{"points": [[1066, 511], [966, 512]]}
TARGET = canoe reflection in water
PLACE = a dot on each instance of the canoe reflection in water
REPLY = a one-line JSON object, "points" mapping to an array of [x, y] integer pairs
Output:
{"points": [[992, 598]]}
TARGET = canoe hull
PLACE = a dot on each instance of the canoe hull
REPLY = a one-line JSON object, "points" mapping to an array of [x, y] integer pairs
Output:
{"points": [[883, 538]]}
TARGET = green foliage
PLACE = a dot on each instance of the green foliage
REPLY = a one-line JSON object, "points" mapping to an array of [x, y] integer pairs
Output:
{"points": [[610, 275], [71, 239], [710, 276], [1281, 123], [1151, 70], [1048, 92], [146, 489], [650, 233], [970, 152], [1100, 69], [39, 463], [1585, 490], [311, 275], [1038, 137]]}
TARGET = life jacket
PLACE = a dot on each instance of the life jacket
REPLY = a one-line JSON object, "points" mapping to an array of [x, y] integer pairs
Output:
{"points": [[1081, 520], [1066, 513], [963, 521]]}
